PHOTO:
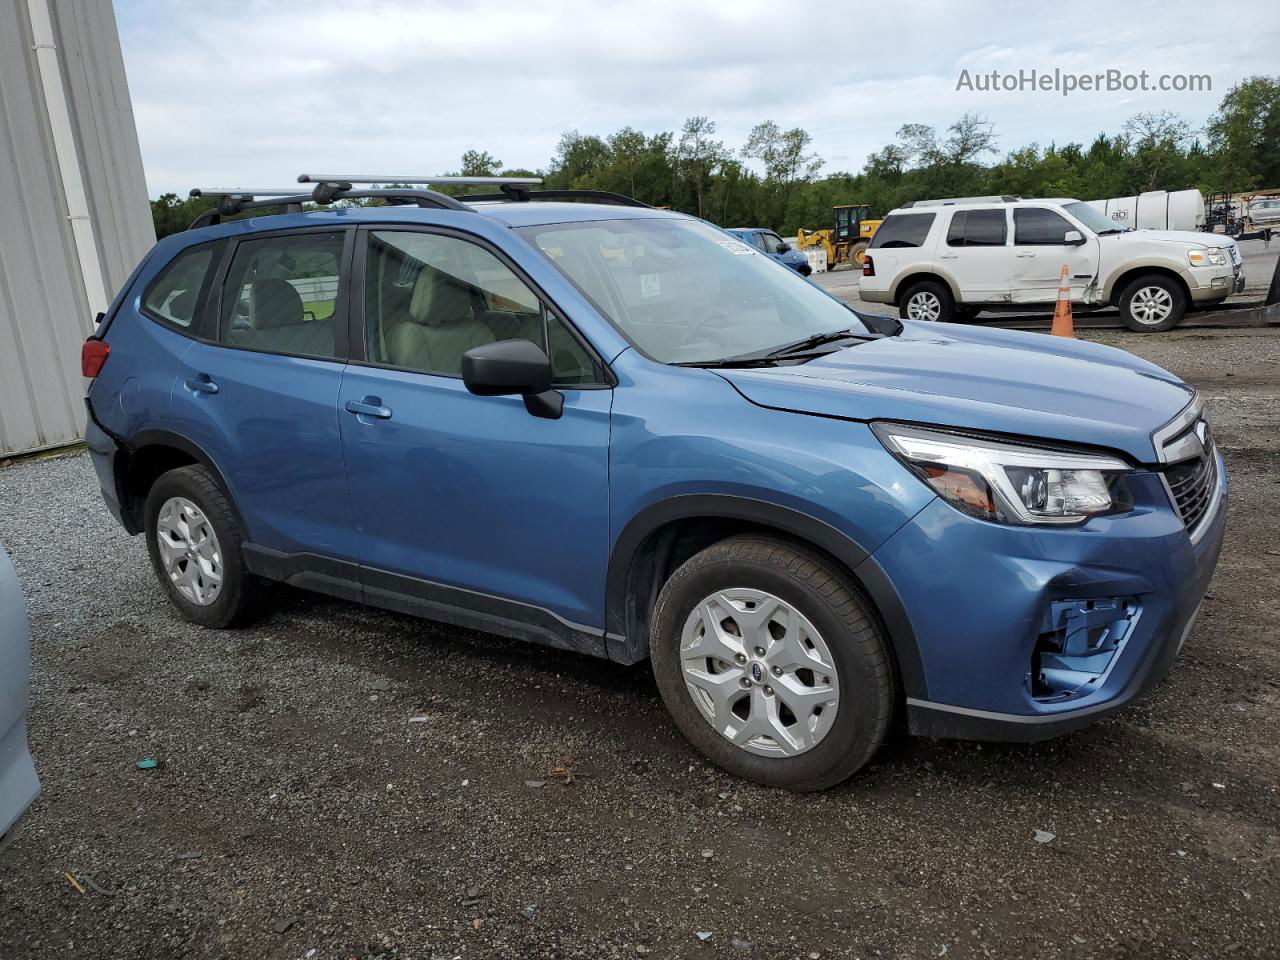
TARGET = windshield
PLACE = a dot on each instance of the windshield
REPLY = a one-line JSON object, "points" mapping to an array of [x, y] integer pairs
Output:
{"points": [[1092, 217], [685, 292]]}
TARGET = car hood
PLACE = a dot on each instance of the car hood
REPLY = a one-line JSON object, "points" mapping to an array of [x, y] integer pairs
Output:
{"points": [[1183, 237], [1001, 381]]}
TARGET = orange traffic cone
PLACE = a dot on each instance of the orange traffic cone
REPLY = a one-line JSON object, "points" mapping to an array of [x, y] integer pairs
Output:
{"points": [[1062, 325]]}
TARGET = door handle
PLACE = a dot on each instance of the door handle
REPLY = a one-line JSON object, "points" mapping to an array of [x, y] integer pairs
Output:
{"points": [[202, 383], [948, 256], [369, 407], [1021, 254]]}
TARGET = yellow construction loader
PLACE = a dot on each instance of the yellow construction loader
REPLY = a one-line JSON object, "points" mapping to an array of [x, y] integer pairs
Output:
{"points": [[847, 241]]}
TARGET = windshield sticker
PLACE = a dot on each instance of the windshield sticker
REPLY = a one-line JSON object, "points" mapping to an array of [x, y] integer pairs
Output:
{"points": [[736, 246], [650, 285]]}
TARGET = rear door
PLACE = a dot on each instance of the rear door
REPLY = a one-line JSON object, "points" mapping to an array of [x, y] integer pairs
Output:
{"points": [[467, 502], [1040, 251], [975, 251], [259, 391]]}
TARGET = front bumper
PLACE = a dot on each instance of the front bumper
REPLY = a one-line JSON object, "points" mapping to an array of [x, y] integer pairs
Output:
{"points": [[19, 785], [977, 595], [1207, 284]]}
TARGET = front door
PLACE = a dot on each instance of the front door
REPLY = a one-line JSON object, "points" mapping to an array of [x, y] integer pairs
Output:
{"points": [[464, 501], [1040, 251]]}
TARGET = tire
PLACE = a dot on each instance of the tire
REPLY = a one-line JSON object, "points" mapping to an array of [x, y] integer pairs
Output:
{"points": [[1152, 304], [238, 593], [858, 253], [927, 300], [841, 630]]}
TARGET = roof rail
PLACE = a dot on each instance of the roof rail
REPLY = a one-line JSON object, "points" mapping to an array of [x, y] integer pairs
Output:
{"points": [[956, 201], [233, 200], [522, 194], [455, 180]]}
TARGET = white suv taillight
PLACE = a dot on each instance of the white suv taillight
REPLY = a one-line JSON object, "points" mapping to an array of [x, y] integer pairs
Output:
{"points": [[868, 267]]}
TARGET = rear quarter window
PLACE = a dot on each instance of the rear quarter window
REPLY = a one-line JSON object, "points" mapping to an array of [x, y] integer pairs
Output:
{"points": [[174, 294], [903, 230]]}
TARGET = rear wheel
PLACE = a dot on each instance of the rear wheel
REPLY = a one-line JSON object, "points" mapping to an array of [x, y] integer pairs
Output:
{"points": [[193, 538], [1152, 304], [927, 300], [771, 664]]}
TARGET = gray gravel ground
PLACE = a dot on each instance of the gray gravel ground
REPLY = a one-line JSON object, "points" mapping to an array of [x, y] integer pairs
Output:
{"points": [[339, 782]]}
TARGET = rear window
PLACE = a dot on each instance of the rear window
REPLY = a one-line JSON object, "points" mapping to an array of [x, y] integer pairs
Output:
{"points": [[903, 230], [977, 228], [173, 294]]}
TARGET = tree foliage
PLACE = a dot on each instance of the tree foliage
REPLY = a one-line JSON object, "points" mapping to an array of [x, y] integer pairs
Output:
{"points": [[772, 179]]}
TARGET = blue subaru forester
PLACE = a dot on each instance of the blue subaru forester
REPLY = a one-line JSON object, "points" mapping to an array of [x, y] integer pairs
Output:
{"points": [[623, 432]]}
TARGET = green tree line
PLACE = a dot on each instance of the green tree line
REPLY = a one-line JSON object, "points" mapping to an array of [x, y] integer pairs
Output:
{"points": [[775, 179]]}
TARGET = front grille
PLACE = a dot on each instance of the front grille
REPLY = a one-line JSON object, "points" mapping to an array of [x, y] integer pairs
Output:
{"points": [[1193, 483]]}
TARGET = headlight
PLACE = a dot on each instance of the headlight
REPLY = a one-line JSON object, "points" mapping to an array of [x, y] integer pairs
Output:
{"points": [[1199, 257], [1005, 482]]}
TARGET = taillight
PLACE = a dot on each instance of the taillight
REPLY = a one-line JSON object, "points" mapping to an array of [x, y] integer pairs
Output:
{"points": [[868, 268], [92, 356]]}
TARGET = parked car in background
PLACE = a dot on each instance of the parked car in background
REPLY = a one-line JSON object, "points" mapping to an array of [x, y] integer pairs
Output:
{"points": [[1265, 212], [775, 247], [614, 430], [18, 783], [949, 259]]}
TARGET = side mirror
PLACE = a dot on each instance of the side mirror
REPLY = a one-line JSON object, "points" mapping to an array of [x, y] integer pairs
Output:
{"points": [[784, 247], [1073, 238], [513, 368]]}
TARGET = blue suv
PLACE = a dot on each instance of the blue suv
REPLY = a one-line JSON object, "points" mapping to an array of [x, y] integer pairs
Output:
{"points": [[618, 431], [774, 246]]}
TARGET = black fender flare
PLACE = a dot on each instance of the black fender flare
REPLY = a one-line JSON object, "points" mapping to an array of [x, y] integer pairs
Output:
{"points": [[626, 625], [166, 438]]}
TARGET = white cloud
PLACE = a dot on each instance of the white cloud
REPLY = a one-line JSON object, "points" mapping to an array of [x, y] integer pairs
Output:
{"points": [[277, 88]]}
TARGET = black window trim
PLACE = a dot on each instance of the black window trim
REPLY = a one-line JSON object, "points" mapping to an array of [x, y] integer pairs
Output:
{"points": [[357, 320], [192, 330], [211, 319]]}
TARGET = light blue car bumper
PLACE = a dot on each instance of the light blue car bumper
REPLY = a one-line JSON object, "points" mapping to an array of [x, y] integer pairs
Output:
{"points": [[18, 783]]}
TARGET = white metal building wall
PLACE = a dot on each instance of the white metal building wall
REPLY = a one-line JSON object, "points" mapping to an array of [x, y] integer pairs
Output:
{"points": [[45, 313]]}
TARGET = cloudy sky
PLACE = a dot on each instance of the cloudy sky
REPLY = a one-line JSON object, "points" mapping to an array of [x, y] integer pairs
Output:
{"points": [[255, 96]]}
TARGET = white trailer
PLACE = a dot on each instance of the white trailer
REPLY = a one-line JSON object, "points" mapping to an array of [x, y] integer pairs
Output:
{"points": [[1156, 210]]}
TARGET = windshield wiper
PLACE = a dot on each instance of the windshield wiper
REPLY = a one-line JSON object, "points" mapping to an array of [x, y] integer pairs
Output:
{"points": [[806, 349], [817, 340]]}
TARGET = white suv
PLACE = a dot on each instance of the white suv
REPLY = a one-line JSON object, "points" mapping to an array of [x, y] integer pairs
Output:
{"points": [[948, 259]]}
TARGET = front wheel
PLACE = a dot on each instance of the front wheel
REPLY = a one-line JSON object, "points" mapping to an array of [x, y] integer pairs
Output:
{"points": [[771, 664], [1152, 304], [927, 300]]}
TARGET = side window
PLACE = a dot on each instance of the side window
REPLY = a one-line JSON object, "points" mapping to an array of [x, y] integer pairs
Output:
{"points": [[771, 242], [977, 228], [280, 294], [1033, 226], [757, 240], [173, 294], [430, 298], [903, 230]]}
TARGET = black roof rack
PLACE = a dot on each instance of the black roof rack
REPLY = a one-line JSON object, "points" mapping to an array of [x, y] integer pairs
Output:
{"points": [[522, 194], [232, 200], [957, 201]]}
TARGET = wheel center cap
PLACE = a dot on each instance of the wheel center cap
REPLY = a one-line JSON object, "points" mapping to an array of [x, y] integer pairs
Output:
{"points": [[757, 671]]}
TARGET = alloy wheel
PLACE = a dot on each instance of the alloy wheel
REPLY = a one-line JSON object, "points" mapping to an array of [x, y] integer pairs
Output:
{"points": [[924, 306], [1151, 305], [759, 672], [189, 551]]}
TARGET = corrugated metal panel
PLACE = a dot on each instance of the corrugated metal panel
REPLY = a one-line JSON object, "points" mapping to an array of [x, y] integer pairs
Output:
{"points": [[44, 315]]}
